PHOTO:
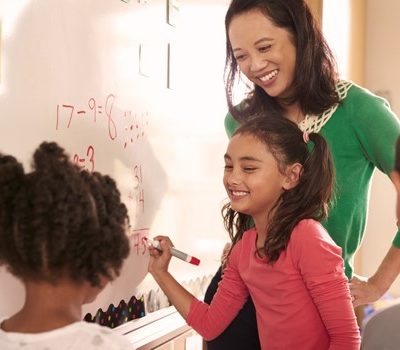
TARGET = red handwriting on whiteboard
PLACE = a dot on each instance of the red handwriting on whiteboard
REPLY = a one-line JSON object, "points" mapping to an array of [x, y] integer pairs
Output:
{"points": [[135, 126], [137, 192], [86, 161], [67, 112], [138, 240], [137, 170]]}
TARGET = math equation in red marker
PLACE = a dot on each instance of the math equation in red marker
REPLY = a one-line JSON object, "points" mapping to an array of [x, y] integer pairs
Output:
{"points": [[133, 125]]}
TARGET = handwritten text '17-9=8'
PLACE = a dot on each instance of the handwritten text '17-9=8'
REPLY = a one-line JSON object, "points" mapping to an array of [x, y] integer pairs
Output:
{"points": [[135, 124]]}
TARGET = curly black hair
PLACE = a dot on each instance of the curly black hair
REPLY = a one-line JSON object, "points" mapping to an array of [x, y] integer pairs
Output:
{"points": [[59, 220]]}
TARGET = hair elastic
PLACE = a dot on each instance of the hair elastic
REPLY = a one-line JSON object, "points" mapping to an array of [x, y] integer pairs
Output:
{"points": [[306, 137]]}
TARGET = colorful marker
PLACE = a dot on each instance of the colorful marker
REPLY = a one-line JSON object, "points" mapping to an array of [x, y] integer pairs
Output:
{"points": [[174, 252]]}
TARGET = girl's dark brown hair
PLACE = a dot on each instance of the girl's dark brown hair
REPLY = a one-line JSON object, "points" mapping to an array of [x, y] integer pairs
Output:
{"points": [[315, 72], [58, 220], [308, 200]]}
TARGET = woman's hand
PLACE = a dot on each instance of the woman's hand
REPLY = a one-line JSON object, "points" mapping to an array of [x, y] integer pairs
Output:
{"points": [[363, 291], [160, 258]]}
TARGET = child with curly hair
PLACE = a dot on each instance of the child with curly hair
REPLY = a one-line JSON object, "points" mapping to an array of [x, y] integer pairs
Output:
{"points": [[62, 232]]}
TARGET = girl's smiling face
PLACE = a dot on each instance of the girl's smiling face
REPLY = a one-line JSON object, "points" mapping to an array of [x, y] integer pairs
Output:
{"points": [[264, 52], [252, 178]]}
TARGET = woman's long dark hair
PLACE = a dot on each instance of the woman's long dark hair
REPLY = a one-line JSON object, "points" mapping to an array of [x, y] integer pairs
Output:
{"points": [[315, 72], [307, 200]]}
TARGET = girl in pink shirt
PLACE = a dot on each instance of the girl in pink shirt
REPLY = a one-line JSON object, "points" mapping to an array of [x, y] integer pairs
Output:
{"points": [[288, 263]]}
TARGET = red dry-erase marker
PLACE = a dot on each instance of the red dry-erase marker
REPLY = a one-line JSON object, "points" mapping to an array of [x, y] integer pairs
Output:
{"points": [[175, 252]]}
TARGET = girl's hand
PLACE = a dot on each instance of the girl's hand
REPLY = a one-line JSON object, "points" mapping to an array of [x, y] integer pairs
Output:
{"points": [[159, 259], [363, 291]]}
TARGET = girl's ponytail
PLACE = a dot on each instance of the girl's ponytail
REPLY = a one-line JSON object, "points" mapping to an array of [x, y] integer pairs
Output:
{"points": [[11, 182], [316, 182]]}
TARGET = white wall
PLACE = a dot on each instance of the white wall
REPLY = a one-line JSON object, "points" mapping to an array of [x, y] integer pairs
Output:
{"points": [[382, 75]]}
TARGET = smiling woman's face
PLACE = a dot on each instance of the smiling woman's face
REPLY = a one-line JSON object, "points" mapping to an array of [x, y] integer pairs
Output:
{"points": [[264, 52]]}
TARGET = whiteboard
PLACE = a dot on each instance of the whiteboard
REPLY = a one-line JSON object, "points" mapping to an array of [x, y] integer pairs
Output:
{"points": [[131, 95]]}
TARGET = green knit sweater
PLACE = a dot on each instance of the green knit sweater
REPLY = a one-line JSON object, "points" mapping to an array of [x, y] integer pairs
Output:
{"points": [[361, 135]]}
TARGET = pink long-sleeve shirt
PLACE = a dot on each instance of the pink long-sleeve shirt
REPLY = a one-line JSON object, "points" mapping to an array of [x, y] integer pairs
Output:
{"points": [[302, 301]]}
